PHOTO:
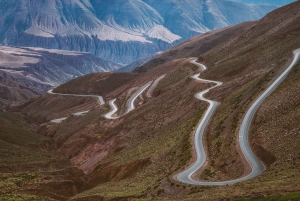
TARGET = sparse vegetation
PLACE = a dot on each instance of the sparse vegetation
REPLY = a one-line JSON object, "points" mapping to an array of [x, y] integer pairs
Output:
{"points": [[23, 165], [287, 197], [171, 79]]}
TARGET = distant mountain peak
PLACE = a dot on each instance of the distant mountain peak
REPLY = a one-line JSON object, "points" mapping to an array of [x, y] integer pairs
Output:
{"points": [[122, 31]]}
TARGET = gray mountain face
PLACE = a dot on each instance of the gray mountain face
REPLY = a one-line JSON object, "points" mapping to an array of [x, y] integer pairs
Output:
{"points": [[192, 17], [122, 31]]}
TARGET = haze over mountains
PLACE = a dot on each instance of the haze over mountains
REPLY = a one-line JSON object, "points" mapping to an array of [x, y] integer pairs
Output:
{"points": [[122, 31]]}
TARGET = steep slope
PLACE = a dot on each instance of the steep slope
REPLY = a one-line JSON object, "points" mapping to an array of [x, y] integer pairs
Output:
{"points": [[123, 14], [119, 31], [137, 155], [196, 16]]}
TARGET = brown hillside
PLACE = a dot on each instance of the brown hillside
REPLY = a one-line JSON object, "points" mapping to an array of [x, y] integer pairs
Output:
{"points": [[12, 93], [96, 83], [28, 168]]}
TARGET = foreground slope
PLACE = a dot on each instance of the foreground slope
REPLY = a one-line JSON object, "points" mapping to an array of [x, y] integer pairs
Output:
{"points": [[136, 156], [28, 168]]}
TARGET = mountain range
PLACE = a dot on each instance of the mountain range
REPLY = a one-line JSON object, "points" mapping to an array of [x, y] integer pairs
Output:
{"points": [[136, 155], [121, 31]]}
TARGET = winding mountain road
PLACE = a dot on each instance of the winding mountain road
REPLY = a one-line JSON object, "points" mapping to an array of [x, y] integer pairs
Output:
{"points": [[100, 98], [257, 167], [59, 120], [113, 110], [130, 105]]}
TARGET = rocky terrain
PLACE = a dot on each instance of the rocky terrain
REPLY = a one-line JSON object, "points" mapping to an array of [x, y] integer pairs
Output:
{"points": [[118, 31], [136, 156]]}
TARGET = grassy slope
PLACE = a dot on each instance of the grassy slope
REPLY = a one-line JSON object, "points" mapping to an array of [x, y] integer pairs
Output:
{"points": [[24, 167], [15, 142]]}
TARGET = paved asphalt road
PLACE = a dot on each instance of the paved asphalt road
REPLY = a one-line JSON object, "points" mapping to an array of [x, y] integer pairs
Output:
{"points": [[113, 110], [130, 105], [58, 121], [256, 165], [100, 99]]}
